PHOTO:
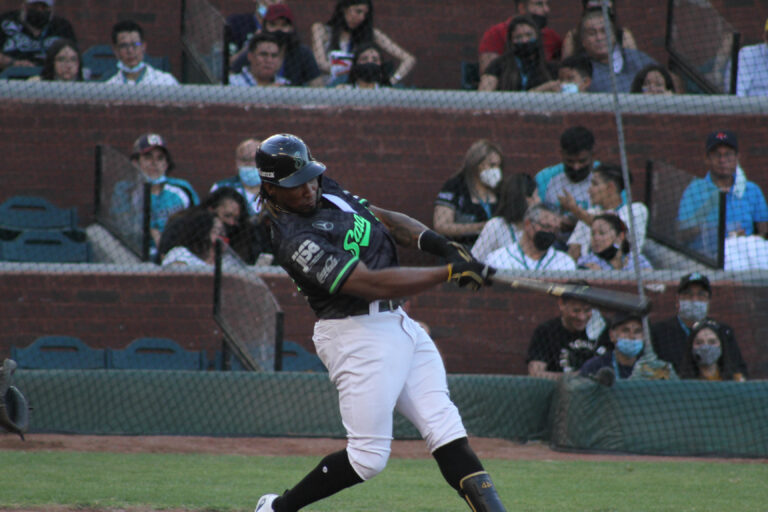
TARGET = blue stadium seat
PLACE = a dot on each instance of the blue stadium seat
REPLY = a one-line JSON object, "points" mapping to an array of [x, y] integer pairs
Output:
{"points": [[34, 212], [46, 247], [20, 72], [156, 354], [100, 63], [59, 352], [297, 359]]}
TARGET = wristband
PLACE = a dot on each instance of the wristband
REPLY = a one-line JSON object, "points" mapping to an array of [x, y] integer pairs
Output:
{"points": [[432, 242]]}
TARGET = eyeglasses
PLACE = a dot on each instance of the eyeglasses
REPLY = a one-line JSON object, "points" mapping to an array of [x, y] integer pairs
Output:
{"points": [[127, 46]]}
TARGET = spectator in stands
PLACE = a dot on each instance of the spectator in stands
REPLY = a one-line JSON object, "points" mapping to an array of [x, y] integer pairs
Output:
{"points": [[571, 175], [572, 43], [62, 63], [299, 66], [494, 41], [752, 73], [130, 47], [609, 247], [707, 358], [167, 195], [368, 71], [746, 211], [629, 357], [351, 24], [563, 344], [534, 249], [603, 50], [265, 58], [468, 199], [653, 79], [196, 234], [522, 67], [575, 74], [670, 336], [242, 27], [247, 180], [516, 194], [247, 237], [605, 189], [26, 33]]}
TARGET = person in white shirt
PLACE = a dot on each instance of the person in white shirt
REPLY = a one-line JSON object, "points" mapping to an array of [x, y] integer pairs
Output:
{"points": [[752, 77], [605, 194], [533, 250], [129, 47], [265, 58]]}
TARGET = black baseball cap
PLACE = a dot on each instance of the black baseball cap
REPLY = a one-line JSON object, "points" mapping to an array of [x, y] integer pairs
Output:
{"points": [[694, 278], [623, 317], [724, 137]]}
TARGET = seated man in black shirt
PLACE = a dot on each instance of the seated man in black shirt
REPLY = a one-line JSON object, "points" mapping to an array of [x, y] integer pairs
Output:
{"points": [[561, 345], [27, 33], [670, 336]]}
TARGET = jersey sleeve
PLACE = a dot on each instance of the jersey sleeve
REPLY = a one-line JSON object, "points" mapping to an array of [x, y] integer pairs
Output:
{"points": [[313, 261], [448, 195]]}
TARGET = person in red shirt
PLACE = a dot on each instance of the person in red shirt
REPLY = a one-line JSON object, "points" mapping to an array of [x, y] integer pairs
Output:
{"points": [[494, 39]]}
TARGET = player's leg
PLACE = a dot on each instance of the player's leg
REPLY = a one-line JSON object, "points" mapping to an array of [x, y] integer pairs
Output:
{"points": [[426, 403], [367, 360]]}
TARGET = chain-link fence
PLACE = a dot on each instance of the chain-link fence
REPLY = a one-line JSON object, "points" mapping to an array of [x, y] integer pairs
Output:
{"points": [[609, 147]]}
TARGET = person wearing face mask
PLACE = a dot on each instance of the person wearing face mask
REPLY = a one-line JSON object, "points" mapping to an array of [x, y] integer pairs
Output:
{"points": [[299, 66], [242, 27], [630, 357], [468, 199], [26, 33], [534, 249], [571, 175], [522, 67], [609, 247], [670, 336], [494, 40], [168, 195], [247, 180], [575, 74], [367, 69], [129, 47], [707, 357]]}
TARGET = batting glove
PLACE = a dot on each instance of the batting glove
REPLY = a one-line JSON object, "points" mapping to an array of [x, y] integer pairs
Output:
{"points": [[452, 252], [470, 274]]}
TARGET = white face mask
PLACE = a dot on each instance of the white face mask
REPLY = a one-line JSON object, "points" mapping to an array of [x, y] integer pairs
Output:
{"points": [[694, 310], [491, 177], [569, 88]]}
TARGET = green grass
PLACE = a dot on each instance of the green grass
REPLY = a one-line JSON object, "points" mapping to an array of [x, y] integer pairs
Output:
{"points": [[235, 483]]}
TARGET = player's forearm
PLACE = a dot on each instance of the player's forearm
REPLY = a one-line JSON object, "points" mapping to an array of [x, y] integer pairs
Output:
{"points": [[404, 229], [393, 282]]}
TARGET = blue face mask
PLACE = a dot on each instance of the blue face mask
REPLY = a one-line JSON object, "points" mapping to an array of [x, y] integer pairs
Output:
{"points": [[629, 348], [135, 69], [249, 175], [155, 181]]}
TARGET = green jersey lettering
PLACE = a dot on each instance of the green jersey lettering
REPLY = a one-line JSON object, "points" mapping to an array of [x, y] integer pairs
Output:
{"points": [[357, 237]]}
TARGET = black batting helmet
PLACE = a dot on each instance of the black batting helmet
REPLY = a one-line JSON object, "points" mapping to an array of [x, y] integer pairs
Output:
{"points": [[284, 160]]}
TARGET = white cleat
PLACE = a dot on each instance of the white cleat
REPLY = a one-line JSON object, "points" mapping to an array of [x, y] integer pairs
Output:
{"points": [[265, 503]]}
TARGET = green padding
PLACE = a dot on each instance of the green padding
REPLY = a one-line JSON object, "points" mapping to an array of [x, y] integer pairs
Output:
{"points": [[663, 417], [255, 404]]}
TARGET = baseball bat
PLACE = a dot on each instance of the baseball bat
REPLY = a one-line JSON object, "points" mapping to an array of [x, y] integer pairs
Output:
{"points": [[603, 297]]}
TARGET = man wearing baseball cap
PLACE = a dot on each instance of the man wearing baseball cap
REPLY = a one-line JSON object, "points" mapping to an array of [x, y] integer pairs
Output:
{"points": [[26, 33], [670, 337], [752, 78], [698, 214]]}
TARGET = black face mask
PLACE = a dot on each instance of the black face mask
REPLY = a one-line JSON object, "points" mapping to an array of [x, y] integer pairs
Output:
{"points": [[608, 253], [528, 51], [576, 175], [543, 240], [38, 19], [541, 21], [369, 72]]}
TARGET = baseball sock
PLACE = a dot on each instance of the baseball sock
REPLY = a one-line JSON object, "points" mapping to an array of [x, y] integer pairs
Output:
{"points": [[333, 474], [457, 460]]}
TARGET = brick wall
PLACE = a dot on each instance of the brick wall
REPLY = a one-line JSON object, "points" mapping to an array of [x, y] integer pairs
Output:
{"points": [[398, 158], [440, 33], [484, 332]]}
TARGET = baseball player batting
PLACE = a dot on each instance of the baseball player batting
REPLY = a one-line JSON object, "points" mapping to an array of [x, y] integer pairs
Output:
{"points": [[340, 250]]}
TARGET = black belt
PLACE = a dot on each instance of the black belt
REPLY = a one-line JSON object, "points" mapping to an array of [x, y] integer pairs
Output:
{"points": [[384, 305]]}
